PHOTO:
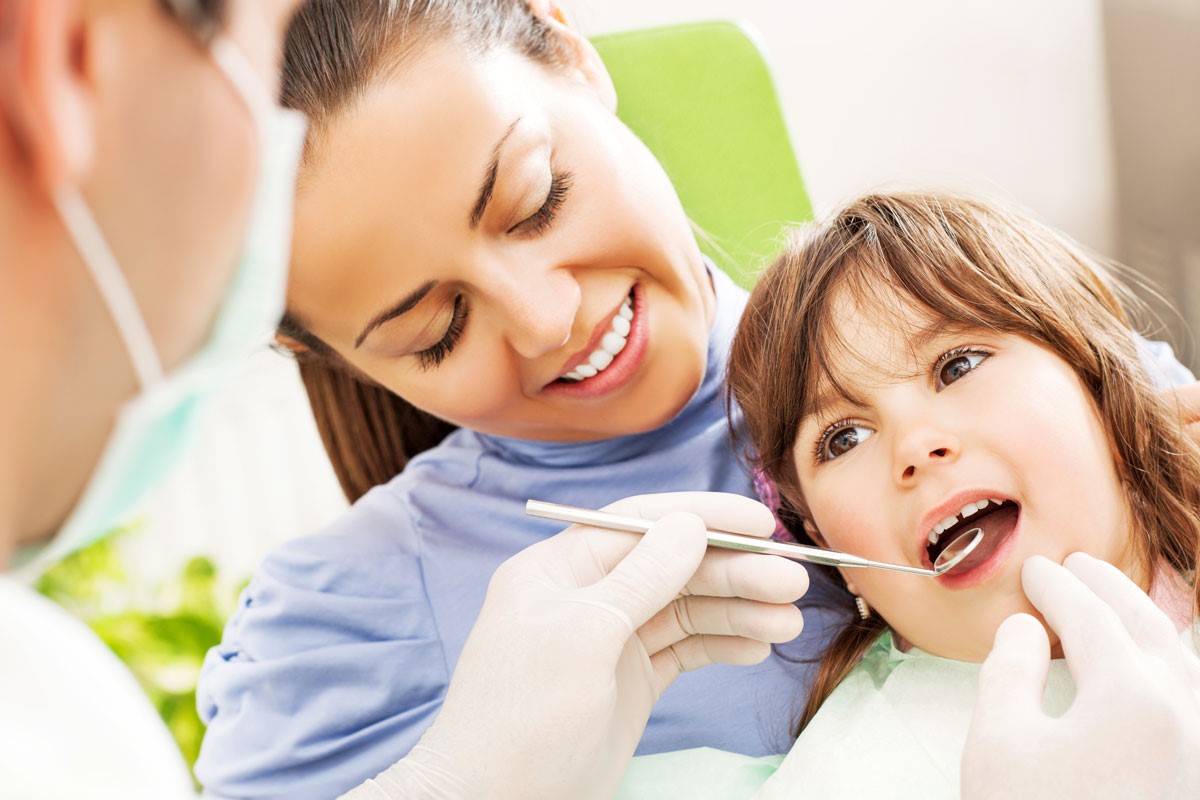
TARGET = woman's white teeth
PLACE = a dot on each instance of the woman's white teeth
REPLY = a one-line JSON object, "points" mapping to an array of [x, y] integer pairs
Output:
{"points": [[970, 509], [613, 343], [601, 359]]}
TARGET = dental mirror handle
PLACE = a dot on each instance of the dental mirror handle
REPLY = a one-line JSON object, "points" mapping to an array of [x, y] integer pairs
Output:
{"points": [[730, 541]]}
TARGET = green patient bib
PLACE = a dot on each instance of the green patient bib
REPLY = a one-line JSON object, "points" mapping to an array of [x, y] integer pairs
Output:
{"points": [[894, 728], [698, 774]]}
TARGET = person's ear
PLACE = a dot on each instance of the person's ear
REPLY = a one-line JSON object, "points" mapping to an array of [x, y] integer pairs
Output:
{"points": [[584, 57], [45, 89], [293, 346]]}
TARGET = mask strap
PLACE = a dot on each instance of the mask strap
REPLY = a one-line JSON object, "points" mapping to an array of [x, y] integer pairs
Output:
{"points": [[111, 281], [242, 77]]}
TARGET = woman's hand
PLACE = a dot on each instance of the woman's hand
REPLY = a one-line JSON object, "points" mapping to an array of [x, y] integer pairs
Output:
{"points": [[578, 637], [1134, 727]]}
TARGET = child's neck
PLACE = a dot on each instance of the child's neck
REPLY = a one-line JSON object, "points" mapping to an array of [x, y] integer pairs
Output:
{"points": [[1171, 593]]}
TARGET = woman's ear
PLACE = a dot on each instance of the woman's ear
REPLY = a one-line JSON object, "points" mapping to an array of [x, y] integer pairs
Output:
{"points": [[285, 342], [585, 59], [45, 87]]}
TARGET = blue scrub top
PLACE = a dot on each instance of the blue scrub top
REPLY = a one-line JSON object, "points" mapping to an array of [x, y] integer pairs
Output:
{"points": [[344, 643]]}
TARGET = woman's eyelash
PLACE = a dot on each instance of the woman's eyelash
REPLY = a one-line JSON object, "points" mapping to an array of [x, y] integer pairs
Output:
{"points": [[433, 356], [541, 220]]}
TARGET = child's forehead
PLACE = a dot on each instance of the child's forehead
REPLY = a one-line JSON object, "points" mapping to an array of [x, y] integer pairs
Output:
{"points": [[879, 330], [872, 338]]}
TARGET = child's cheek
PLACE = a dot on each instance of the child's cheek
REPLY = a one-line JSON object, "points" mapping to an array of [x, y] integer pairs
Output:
{"points": [[850, 524]]}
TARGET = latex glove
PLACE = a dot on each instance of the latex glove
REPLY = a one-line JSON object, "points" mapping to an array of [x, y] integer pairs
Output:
{"points": [[1188, 399], [578, 637], [1134, 728]]}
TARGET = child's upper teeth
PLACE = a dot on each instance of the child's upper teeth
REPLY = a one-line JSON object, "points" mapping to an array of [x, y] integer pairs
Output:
{"points": [[968, 510], [614, 342]]}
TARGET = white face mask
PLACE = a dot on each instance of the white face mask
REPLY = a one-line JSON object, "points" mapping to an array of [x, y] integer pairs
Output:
{"points": [[152, 429]]}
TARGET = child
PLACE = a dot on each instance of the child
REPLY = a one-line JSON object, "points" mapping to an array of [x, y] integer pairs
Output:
{"points": [[920, 366], [914, 368]]}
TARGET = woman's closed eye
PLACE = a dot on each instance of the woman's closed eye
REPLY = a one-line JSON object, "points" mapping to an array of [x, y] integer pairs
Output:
{"points": [[840, 438], [433, 356], [955, 364], [540, 220]]}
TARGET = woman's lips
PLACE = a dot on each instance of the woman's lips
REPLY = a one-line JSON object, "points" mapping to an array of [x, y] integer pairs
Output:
{"points": [[623, 365]]}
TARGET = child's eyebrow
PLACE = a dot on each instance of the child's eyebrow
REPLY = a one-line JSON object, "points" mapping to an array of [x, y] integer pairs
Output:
{"points": [[921, 340], [827, 396], [926, 336]]}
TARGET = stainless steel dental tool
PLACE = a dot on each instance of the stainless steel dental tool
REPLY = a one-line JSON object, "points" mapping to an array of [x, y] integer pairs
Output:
{"points": [[947, 560]]}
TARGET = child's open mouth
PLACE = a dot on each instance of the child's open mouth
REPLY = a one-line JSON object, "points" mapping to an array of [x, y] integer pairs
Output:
{"points": [[998, 520]]}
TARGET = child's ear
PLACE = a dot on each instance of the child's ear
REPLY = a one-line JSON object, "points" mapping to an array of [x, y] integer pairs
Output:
{"points": [[585, 60]]}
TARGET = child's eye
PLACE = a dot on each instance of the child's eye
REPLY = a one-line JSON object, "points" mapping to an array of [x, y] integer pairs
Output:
{"points": [[840, 438], [957, 363]]}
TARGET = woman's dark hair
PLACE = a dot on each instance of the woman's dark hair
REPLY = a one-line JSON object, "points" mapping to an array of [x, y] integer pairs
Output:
{"points": [[975, 265], [334, 51]]}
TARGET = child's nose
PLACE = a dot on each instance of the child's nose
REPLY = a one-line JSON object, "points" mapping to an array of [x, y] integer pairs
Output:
{"points": [[922, 450]]}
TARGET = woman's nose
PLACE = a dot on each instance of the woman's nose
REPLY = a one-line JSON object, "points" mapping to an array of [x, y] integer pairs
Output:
{"points": [[540, 307]]}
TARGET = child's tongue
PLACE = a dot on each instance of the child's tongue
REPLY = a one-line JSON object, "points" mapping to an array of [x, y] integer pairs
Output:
{"points": [[997, 526]]}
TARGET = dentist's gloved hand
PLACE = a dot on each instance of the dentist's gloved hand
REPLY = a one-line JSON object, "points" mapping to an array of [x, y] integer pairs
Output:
{"points": [[1134, 728], [578, 637]]}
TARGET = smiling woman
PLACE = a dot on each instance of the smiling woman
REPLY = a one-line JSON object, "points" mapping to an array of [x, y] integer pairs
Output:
{"points": [[495, 295], [496, 264]]}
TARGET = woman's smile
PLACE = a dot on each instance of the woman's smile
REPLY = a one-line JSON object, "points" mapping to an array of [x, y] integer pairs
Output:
{"points": [[613, 355], [567, 299]]}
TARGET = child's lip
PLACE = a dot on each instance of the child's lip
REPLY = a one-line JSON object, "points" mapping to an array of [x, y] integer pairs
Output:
{"points": [[948, 508], [956, 581]]}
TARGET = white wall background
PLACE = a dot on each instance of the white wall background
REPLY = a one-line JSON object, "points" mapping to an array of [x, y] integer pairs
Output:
{"points": [[1003, 97], [1006, 97]]}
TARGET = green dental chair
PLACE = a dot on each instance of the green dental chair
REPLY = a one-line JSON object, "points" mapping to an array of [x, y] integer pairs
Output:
{"points": [[701, 97]]}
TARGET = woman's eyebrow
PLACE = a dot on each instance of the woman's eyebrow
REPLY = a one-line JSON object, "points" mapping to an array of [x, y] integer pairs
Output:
{"points": [[405, 304], [489, 177]]}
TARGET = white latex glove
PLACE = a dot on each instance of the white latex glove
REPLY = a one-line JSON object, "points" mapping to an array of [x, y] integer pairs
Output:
{"points": [[1134, 728], [578, 637]]}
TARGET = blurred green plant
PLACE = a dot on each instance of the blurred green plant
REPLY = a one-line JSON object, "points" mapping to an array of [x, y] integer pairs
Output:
{"points": [[161, 635]]}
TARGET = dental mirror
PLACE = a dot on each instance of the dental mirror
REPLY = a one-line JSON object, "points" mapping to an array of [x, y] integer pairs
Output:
{"points": [[957, 550]]}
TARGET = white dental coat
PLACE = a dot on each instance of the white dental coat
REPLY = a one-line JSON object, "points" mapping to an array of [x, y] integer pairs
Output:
{"points": [[73, 721]]}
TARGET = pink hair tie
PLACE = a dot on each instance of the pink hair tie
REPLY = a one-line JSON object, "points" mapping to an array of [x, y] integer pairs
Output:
{"points": [[764, 487]]}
